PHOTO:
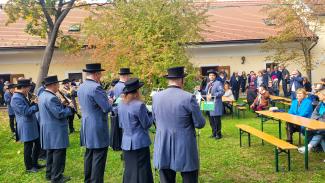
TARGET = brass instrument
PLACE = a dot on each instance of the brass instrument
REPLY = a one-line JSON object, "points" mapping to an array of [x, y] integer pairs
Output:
{"points": [[32, 97], [68, 102]]}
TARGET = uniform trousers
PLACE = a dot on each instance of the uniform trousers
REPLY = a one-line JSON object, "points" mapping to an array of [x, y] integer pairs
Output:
{"points": [[31, 152], [55, 164], [70, 120], [215, 123], [169, 176], [12, 123], [94, 165]]}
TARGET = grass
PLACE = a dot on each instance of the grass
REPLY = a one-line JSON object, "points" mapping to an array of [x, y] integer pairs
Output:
{"points": [[221, 161]]}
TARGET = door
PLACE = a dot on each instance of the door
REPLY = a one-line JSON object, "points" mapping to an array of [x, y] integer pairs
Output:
{"points": [[226, 69], [15, 77], [205, 69]]}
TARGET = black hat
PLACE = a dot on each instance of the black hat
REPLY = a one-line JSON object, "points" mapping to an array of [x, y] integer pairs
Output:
{"points": [[125, 71], [175, 72], [132, 84], [11, 85], [114, 82], [51, 80], [23, 83], [212, 71], [96, 67], [66, 81]]}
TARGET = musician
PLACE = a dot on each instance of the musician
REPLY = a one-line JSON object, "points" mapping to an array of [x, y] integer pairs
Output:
{"points": [[28, 132], [70, 94], [116, 131], [7, 97], [135, 121], [40, 89], [54, 130], [214, 91], [177, 114], [110, 92], [95, 106], [124, 76]]}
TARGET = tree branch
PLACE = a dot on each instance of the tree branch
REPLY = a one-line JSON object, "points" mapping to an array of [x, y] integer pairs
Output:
{"points": [[59, 10], [47, 16], [97, 4], [314, 44], [63, 14]]}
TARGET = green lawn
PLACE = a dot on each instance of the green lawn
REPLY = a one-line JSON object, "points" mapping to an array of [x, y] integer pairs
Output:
{"points": [[221, 161]]}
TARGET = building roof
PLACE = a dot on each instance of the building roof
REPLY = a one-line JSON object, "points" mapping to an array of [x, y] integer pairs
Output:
{"points": [[14, 35], [318, 6], [228, 21], [237, 21]]}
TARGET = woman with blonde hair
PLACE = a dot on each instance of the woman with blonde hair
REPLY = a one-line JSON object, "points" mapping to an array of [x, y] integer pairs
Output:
{"points": [[135, 120], [301, 106]]}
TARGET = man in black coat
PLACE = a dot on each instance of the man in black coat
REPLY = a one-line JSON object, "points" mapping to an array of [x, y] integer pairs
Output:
{"points": [[235, 85]]}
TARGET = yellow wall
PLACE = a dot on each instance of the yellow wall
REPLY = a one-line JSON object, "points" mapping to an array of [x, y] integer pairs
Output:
{"points": [[28, 63]]}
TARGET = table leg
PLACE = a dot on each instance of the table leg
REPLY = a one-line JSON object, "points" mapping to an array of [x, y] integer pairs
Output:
{"points": [[280, 130], [262, 127], [306, 150], [240, 133], [276, 153]]}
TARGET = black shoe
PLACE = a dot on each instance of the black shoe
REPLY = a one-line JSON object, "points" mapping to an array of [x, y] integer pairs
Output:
{"points": [[32, 170], [40, 166], [218, 137]]}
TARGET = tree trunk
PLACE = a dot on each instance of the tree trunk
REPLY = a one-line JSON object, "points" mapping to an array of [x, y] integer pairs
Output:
{"points": [[308, 73], [47, 58], [308, 65]]}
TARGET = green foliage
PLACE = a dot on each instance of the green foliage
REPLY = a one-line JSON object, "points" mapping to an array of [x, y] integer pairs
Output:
{"points": [[148, 36], [37, 24], [31, 12]]}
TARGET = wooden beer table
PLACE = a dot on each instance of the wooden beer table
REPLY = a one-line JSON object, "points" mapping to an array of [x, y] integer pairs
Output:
{"points": [[309, 124], [273, 97]]}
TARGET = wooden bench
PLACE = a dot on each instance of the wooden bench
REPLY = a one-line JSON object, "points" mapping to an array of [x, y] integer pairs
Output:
{"points": [[280, 145], [240, 108]]}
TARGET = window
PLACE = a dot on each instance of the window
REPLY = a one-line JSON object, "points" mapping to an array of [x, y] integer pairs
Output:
{"points": [[74, 28], [75, 76], [269, 21], [271, 65]]}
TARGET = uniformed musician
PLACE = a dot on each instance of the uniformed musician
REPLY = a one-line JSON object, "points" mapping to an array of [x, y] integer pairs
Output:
{"points": [[54, 130], [27, 126], [135, 120], [95, 106], [176, 114]]}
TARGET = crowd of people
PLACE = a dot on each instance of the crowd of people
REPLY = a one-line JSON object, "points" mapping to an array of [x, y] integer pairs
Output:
{"points": [[307, 99], [44, 121]]}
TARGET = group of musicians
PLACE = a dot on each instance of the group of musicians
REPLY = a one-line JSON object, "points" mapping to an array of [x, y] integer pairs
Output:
{"points": [[44, 123]]}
